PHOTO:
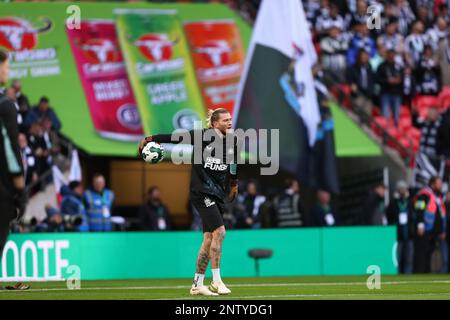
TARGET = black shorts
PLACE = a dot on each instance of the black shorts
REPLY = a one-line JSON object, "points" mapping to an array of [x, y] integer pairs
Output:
{"points": [[210, 209]]}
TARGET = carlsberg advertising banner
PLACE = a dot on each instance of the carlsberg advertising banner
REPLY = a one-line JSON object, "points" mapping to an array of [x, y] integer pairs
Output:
{"points": [[112, 71], [218, 57], [160, 69], [105, 81]]}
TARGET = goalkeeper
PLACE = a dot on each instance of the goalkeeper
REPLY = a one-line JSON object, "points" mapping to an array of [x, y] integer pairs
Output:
{"points": [[213, 184]]}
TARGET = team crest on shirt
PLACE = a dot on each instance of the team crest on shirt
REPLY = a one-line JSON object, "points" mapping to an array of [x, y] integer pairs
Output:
{"points": [[209, 202]]}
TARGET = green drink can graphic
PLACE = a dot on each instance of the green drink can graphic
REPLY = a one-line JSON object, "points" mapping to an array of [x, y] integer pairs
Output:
{"points": [[160, 69]]}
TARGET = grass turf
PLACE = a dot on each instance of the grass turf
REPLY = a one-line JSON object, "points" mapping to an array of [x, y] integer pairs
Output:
{"points": [[421, 287]]}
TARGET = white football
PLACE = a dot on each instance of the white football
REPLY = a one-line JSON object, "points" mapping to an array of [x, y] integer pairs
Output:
{"points": [[153, 152]]}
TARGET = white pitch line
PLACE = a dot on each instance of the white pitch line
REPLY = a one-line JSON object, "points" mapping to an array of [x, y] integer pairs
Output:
{"points": [[314, 295], [305, 284]]}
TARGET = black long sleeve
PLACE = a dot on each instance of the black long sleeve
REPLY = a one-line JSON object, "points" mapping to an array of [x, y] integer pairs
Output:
{"points": [[9, 131], [186, 137]]}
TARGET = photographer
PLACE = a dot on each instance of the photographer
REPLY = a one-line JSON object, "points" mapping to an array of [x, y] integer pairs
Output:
{"points": [[73, 209], [54, 220]]}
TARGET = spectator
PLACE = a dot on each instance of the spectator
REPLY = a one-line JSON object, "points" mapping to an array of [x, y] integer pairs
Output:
{"points": [[54, 219], [99, 201], [390, 78], [154, 215], [428, 161], [405, 15], [431, 226], [73, 209], [415, 43], [424, 15], [359, 15], [362, 82], [287, 207], [392, 39], [379, 57], [250, 202], [52, 142], [429, 128], [438, 33], [443, 59], [333, 48], [311, 8], [40, 111], [443, 12], [400, 213], [428, 73], [22, 100], [409, 87], [11, 94], [374, 207], [322, 213], [360, 40], [28, 160], [38, 145], [327, 20], [443, 146]]}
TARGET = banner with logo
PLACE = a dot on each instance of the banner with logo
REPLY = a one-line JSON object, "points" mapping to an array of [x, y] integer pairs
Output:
{"points": [[218, 57], [140, 255], [20, 37], [86, 92], [105, 81], [160, 69]]}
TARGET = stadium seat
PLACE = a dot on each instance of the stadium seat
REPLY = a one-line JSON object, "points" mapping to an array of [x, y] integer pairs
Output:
{"points": [[346, 91], [414, 133], [415, 144], [404, 124], [406, 144], [376, 112], [394, 136], [380, 124], [426, 101], [405, 112], [444, 103], [445, 92]]}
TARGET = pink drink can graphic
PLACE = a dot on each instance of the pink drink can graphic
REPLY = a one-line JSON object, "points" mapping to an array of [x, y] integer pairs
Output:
{"points": [[105, 81]]}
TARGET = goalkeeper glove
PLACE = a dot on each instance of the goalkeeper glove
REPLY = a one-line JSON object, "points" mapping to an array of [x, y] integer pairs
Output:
{"points": [[143, 142]]}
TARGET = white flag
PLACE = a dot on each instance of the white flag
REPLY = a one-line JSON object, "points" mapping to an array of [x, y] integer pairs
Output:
{"points": [[281, 26], [58, 179], [75, 168]]}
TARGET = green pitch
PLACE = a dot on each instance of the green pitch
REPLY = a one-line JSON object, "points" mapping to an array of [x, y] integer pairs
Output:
{"points": [[392, 287]]}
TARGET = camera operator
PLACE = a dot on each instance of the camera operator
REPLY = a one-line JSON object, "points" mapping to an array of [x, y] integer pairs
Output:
{"points": [[73, 209], [54, 220]]}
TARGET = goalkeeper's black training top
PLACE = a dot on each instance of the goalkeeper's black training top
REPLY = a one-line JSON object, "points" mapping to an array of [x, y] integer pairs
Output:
{"points": [[10, 158], [214, 160]]}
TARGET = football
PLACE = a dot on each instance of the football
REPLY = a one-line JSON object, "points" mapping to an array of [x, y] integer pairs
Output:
{"points": [[153, 152]]}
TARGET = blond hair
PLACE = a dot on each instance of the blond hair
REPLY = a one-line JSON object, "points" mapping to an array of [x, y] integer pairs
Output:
{"points": [[213, 115]]}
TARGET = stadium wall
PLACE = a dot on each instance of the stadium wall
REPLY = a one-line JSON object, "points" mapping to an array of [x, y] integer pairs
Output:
{"points": [[139, 255]]}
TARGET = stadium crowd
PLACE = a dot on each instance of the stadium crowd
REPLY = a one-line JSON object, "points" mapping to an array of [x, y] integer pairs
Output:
{"points": [[38, 134], [392, 59]]}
